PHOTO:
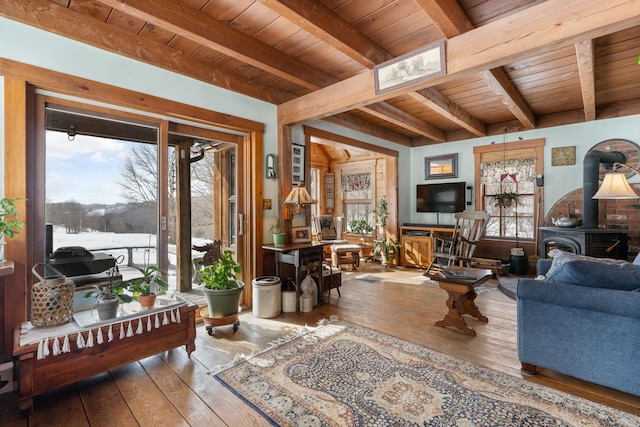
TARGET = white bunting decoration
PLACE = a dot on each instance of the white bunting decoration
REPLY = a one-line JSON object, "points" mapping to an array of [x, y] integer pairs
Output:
{"points": [[65, 344], [61, 343], [80, 340], [56, 346]]}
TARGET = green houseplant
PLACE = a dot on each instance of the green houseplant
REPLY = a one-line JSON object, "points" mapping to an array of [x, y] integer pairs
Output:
{"points": [[9, 224], [221, 287], [145, 289], [276, 229], [388, 249], [380, 211], [108, 296], [362, 227], [506, 198]]}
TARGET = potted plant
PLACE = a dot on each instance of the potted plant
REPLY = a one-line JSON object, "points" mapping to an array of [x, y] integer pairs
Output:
{"points": [[506, 198], [388, 249], [362, 227], [221, 287], [9, 224], [145, 289], [108, 296], [276, 230], [380, 211]]}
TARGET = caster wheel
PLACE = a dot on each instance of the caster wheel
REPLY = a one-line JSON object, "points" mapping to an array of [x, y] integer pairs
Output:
{"points": [[236, 324]]}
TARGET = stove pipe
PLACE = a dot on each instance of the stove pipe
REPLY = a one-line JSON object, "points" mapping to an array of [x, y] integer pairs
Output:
{"points": [[590, 179]]}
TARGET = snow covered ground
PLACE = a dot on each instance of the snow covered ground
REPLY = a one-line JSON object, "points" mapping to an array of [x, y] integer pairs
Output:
{"points": [[143, 248]]}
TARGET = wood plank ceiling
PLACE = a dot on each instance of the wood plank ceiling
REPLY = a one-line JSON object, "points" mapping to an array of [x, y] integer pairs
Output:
{"points": [[297, 52]]}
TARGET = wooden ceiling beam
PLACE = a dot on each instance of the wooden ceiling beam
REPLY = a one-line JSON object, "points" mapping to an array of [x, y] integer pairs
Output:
{"points": [[316, 18], [357, 124], [524, 34], [201, 28], [439, 103], [452, 21], [403, 119], [76, 26], [447, 15], [501, 85], [585, 58]]}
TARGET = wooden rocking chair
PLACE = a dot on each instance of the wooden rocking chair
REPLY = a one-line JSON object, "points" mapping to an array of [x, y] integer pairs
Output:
{"points": [[458, 248]]}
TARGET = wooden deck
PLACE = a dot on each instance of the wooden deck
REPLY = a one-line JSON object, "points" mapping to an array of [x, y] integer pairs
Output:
{"points": [[171, 389]]}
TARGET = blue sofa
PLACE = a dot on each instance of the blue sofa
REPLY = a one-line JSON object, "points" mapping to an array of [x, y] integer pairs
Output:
{"points": [[582, 320]]}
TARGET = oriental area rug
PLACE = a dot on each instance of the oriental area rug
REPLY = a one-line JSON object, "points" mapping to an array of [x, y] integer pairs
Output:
{"points": [[342, 374]]}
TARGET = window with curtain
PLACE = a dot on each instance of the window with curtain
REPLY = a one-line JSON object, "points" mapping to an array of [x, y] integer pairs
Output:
{"points": [[509, 171], [357, 194]]}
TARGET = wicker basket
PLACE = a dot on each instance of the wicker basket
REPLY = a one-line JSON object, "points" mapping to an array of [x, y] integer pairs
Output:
{"points": [[51, 298]]}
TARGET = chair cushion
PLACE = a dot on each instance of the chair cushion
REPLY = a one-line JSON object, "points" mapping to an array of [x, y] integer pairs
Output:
{"points": [[346, 248], [561, 257], [625, 276]]}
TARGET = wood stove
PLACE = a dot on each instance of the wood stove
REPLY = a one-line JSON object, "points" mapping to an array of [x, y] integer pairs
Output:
{"points": [[595, 242]]}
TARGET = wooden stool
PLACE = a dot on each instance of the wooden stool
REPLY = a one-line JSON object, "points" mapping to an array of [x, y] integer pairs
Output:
{"points": [[345, 254]]}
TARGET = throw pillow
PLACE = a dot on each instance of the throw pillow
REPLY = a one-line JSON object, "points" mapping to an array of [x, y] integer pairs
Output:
{"points": [[561, 257], [625, 277]]}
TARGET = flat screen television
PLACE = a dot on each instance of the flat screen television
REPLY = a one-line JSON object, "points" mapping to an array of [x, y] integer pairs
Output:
{"points": [[444, 197]]}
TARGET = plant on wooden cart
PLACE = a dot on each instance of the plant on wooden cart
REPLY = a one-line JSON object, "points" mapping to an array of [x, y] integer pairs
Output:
{"points": [[146, 288], [388, 249], [9, 224], [221, 286]]}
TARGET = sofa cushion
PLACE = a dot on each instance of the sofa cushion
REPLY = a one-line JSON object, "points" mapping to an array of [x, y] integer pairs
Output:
{"points": [[625, 276], [562, 257]]}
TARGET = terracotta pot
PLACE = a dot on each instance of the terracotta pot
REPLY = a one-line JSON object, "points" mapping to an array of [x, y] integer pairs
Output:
{"points": [[147, 301]]}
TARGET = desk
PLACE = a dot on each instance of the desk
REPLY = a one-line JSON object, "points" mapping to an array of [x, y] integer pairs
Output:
{"points": [[298, 255], [461, 296], [132, 339]]}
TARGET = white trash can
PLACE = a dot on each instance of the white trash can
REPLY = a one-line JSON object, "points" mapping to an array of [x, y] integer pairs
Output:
{"points": [[266, 296]]}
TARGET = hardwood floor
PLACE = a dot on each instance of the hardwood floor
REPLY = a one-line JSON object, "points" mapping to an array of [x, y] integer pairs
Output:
{"points": [[174, 390]]}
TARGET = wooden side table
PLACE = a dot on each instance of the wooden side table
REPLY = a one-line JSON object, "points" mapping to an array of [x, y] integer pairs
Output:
{"points": [[462, 296], [38, 375]]}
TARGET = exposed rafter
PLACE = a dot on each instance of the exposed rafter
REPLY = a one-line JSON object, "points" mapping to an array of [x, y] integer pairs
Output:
{"points": [[209, 32], [400, 118], [584, 54], [438, 102], [319, 20], [452, 21]]}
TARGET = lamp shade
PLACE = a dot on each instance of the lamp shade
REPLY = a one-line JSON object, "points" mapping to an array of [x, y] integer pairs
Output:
{"points": [[299, 196], [615, 186]]}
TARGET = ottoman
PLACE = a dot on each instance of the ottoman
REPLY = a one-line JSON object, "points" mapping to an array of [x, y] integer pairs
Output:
{"points": [[345, 254]]}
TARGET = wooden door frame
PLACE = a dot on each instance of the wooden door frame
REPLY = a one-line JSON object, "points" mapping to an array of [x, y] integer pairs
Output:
{"points": [[21, 81]]}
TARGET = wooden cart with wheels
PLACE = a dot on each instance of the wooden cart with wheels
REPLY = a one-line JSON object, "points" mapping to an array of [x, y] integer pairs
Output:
{"points": [[210, 322]]}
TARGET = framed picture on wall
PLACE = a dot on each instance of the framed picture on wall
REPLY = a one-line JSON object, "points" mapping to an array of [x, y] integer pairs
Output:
{"points": [[329, 190], [297, 160], [445, 166]]}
